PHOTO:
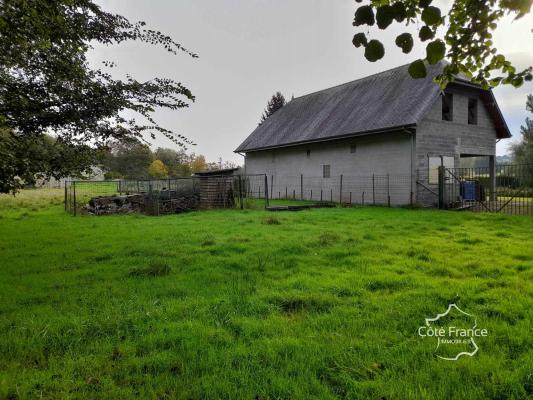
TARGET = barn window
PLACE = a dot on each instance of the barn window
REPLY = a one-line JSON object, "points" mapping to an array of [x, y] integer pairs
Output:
{"points": [[308, 153], [353, 148], [472, 111], [447, 107], [326, 171]]}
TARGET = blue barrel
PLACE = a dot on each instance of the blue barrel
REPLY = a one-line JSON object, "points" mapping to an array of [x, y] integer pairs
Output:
{"points": [[469, 190]]}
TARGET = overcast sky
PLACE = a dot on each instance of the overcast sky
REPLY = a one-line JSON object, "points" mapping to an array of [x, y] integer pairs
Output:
{"points": [[251, 48]]}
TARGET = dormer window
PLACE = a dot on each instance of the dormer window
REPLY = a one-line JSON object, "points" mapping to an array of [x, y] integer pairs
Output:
{"points": [[472, 111], [447, 107]]}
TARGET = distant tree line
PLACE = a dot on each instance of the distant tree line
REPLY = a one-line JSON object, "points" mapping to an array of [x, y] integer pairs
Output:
{"points": [[123, 160]]}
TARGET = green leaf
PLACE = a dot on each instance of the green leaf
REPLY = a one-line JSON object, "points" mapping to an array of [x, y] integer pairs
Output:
{"points": [[425, 33], [364, 15], [374, 50], [424, 3], [431, 15], [398, 11], [417, 69], [521, 7], [405, 42], [359, 40], [435, 51], [517, 81], [384, 16]]}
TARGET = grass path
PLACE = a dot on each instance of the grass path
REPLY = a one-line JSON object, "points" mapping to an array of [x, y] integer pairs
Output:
{"points": [[321, 303]]}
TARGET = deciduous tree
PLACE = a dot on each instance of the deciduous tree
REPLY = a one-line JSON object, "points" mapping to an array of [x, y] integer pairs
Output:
{"points": [[523, 151], [198, 163], [127, 160], [47, 85], [467, 43], [158, 169], [26, 159]]}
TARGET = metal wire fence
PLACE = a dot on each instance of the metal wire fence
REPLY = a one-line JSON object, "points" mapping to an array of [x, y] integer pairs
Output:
{"points": [[165, 196], [509, 190], [384, 190]]}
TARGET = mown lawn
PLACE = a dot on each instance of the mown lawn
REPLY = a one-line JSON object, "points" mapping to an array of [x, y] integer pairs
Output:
{"points": [[233, 304]]}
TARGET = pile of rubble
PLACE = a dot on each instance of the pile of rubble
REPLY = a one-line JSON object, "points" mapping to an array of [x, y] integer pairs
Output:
{"points": [[171, 202], [102, 205], [155, 203]]}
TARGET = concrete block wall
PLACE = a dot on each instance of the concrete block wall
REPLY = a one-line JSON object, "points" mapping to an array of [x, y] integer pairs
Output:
{"points": [[379, 168], [435, 137]]}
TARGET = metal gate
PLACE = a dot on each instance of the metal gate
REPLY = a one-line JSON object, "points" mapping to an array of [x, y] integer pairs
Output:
{"points": [[507, 189]]}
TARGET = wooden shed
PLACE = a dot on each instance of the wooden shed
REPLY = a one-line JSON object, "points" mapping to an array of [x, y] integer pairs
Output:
{"points": [[217, 188]]}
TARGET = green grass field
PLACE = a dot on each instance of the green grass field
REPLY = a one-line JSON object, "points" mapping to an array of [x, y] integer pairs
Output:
{"points": [[231, 304]]}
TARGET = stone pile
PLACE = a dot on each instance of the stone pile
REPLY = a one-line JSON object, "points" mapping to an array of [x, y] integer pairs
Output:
{"points": [[102, 205], [155, 203], [171, 202]]}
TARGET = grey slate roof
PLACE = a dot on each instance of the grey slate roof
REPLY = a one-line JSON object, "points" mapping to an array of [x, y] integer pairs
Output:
{"points": [[380, 102]]}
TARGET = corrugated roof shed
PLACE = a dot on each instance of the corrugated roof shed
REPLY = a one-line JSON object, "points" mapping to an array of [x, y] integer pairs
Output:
{"points": [[380, 102]]}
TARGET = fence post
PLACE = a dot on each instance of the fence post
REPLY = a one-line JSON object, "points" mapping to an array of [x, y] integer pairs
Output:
{"points": [[301, 186], [373, 190], [266, 191], [441, 187], [388, 190], [492, 178], [74, 189], [271, 186], [340, 192], [240, 192], [65, 196]]}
